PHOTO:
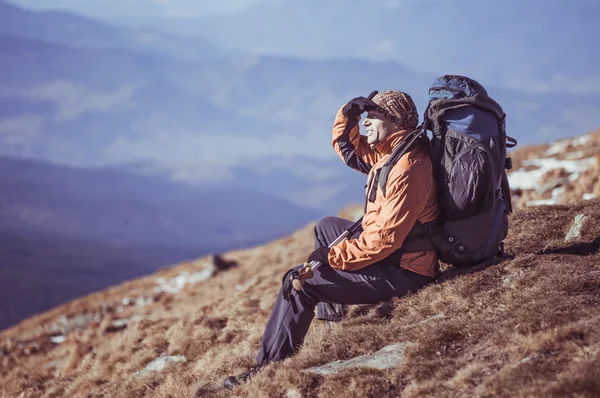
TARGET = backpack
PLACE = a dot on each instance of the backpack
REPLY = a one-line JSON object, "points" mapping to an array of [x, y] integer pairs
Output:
{"points": [[468, 151]]}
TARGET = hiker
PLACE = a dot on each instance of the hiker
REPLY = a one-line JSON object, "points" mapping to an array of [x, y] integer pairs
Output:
{"points": [[373, 265]]}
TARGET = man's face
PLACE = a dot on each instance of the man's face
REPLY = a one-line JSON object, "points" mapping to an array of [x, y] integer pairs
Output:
{"points": [[378, 127]]}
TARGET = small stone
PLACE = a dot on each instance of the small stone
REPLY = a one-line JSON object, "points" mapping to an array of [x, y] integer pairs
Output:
{"points": [[220, 264], [293, 393], [58, 339], [574, 233], [508, 281]]}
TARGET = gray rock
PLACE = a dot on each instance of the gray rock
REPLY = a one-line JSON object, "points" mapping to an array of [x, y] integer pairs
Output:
{"points": [[58, 339], [293, 393], [64, 325], [508, 281], [574, 233], [387, 358]]}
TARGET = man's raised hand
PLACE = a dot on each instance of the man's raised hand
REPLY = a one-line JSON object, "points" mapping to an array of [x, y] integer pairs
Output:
{"points": [[359, 105]]}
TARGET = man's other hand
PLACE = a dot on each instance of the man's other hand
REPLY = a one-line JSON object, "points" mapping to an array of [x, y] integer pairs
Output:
{"points": [[320, 255]]}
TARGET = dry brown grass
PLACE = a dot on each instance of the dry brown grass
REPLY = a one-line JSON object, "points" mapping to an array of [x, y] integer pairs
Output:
{"points": [[525, 327]]}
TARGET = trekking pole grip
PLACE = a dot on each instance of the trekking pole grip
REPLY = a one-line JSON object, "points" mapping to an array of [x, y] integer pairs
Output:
{"points": [[306, 272]]}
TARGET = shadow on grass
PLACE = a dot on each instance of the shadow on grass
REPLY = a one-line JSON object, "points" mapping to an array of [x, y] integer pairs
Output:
{"points": [[578, 249], [454, 272]]}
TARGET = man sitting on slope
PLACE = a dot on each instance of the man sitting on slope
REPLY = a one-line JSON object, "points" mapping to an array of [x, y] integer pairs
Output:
{"points": [[373, 265]]}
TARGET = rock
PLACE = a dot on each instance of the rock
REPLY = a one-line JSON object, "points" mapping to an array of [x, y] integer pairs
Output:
{"points": [[58, 339], [120, 324], [574, 233], [160, 363], [387, 358], [220, 264], [293, 393], [64, 325], [508, 281]]}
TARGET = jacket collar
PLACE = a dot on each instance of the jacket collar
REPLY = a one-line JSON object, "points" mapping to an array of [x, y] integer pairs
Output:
{"points": [[387, 145]]}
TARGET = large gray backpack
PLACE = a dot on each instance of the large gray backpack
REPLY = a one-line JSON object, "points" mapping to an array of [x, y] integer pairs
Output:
{"points": [[468, 148]]}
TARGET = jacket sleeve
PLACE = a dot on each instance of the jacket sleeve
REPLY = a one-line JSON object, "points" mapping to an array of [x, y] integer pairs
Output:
{"points": [[350, 145], [407, 193]]}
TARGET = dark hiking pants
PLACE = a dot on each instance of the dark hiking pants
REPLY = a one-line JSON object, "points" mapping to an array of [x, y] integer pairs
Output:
{"points": [[326, 231], [290, 320]]}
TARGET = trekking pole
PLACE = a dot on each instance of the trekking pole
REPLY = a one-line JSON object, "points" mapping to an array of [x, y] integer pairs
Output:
{"points": [[306, 272]]}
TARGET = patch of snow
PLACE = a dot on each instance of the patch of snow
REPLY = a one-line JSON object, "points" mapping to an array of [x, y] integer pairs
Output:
{"points": [[574, 155], [589, 196], [126, 301], [174, 285], [584, 139], [522, 179], [556, 192], [541, 202], [58, 339], [160, 363], [143, 301], [557, 147]]}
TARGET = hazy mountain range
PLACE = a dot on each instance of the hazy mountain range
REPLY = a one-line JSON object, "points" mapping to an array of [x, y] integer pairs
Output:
{"points": [[84, 92], [66, 231]]}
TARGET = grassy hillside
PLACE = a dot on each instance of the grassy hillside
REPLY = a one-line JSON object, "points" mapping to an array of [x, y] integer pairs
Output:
{"points": [[526, 326]]}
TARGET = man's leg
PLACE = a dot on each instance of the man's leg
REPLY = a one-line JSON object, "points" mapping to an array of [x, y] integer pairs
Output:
{"points": [[290, 320], [326, 231]]}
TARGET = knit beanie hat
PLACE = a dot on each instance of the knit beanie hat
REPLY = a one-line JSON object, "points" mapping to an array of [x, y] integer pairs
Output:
{"points": [[398, 107]]}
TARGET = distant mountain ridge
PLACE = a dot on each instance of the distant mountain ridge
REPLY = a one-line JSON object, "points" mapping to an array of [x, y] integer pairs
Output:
{"points": [[89, 104], [71, 29], [119, 207]]}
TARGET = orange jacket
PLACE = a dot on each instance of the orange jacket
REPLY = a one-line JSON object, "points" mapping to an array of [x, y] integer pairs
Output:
{"points": [[411, 196]]}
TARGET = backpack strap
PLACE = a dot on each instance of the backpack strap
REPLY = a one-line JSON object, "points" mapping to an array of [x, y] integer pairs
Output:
{"points": [[398, 152], [418, 237]]}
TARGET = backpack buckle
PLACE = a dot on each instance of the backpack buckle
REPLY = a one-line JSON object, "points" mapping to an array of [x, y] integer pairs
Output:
{"points": [[508, 165]]}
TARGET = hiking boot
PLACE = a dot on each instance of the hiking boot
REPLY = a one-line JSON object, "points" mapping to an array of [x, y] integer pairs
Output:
{"points": [[232, 382]]}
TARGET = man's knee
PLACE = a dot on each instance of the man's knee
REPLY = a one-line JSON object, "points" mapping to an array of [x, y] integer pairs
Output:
{"points": [[323, 224]]}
